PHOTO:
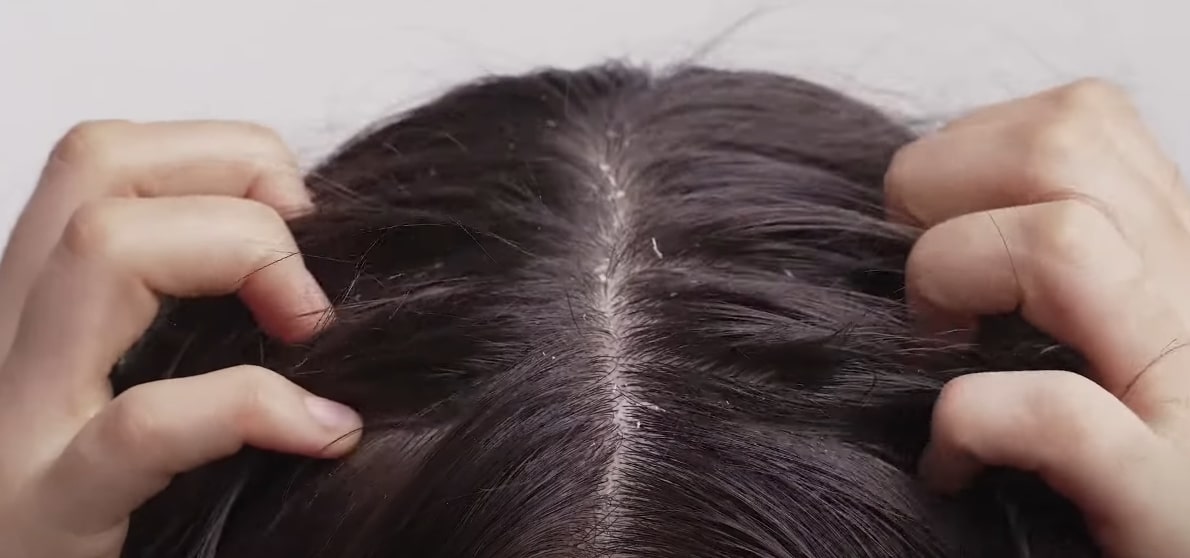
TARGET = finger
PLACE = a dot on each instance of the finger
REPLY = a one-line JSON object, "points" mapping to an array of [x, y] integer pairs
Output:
{"points": [[1087, 93], [1080, 439], [105, 159], [1071, 142], [1108, 105], [97, 294], [135, 445], [1070, 273]]}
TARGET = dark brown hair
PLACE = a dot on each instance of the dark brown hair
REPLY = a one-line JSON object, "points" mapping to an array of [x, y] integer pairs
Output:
{"points": [[614, 313]]}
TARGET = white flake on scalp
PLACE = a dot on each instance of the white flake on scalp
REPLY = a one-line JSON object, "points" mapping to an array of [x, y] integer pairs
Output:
{"points": [[612, 267], [612, 274]]}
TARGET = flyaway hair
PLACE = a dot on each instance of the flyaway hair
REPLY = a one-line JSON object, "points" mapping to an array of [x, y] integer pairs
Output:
{"points": [[608, 313]]}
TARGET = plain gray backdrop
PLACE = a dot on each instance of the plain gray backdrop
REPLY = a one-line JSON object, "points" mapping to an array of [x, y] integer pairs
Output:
{"points": [[317, 70]]}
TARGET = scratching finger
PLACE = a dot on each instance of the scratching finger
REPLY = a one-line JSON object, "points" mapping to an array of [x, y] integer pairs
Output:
{"points": [[98, 293], [123, 159], [132, 448]]}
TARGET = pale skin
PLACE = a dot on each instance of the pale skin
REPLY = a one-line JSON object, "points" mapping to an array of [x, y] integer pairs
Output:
{"points": [[1060, 205], [123, 214]]}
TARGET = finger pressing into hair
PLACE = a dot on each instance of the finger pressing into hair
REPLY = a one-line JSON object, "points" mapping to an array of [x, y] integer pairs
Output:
{"points": [[132, 448], [1066, 268], [115, 158], [97, 295], [1083, 441], [981, 420]]}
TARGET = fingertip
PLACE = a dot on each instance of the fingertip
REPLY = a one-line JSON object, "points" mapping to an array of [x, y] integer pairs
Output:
{"points": [[292, 314], [315, 312], [332, 415], [298, 204], [285, 191], [296, 209], [340, 423], [342, 445]]}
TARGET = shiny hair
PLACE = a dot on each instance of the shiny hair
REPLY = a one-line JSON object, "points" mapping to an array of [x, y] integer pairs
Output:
{"points": [[607, 312]]}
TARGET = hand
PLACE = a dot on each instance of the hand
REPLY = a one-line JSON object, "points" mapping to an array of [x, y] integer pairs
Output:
{"points": [[124, 213], [1063, 207]]}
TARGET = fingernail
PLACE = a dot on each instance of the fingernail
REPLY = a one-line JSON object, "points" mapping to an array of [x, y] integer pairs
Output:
{"points": [[316, 294], [331, 415], [295, 211], [320, 311]]}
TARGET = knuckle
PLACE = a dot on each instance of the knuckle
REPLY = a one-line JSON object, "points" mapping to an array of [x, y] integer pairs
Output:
{"points": [[272, 154], [1053, 150], [950, 407], [90, 230], [90, 142], [254, 376], [1077, 256], [267, 227], [258, 389], [263, 134], [1062, 392], [1059, 406], [1070, 230], [1073, 131], [1091, 95], [1170, 407], [132, 423]]}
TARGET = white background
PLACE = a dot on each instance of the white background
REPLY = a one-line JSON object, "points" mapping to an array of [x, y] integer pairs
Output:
{"points": [[319, 69]]}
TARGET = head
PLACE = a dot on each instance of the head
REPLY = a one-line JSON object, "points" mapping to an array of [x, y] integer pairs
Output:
{"points": [[607, 313]]}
